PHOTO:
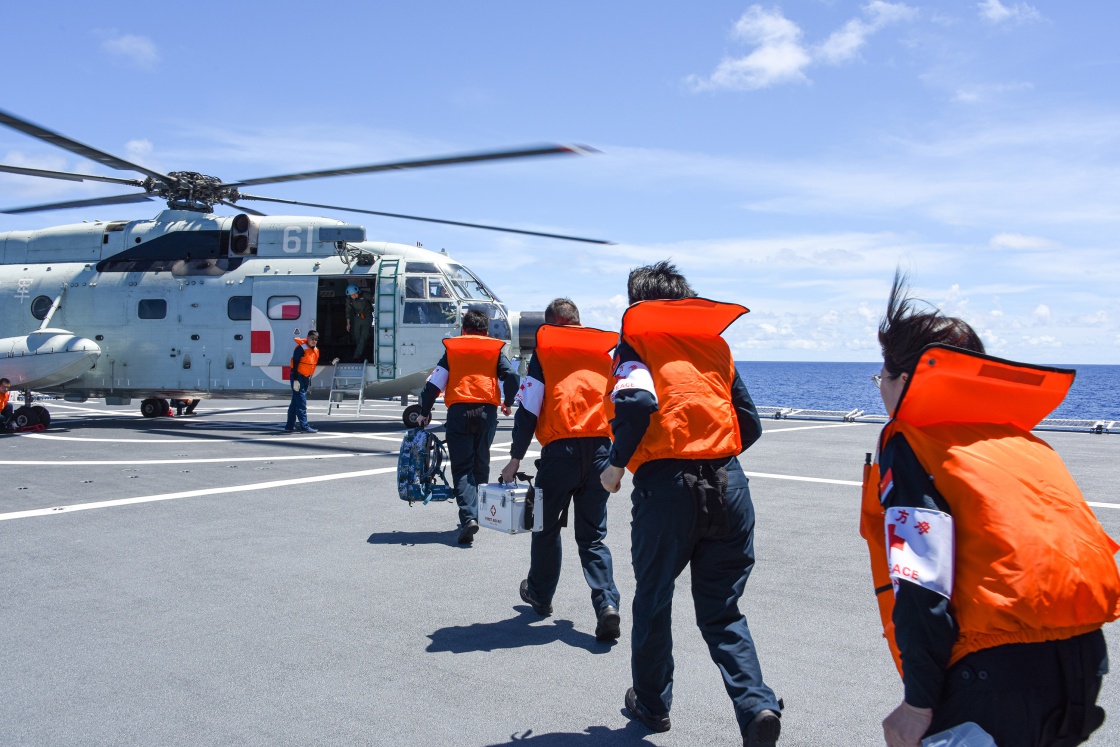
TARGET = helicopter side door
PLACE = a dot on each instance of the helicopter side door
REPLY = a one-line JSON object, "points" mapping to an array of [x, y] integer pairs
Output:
{"points": [[282, 311]]}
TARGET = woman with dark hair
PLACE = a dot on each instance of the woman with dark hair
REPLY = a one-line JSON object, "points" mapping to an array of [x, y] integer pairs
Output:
{"points": [[992, 574]]}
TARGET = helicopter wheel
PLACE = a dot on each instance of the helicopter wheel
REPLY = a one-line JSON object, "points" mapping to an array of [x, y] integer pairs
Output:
{"points": [[410, 414], [25, 416], [43, 415], [153, 408]]}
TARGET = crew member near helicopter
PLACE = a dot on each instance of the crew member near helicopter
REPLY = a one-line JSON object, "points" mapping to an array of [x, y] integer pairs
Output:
{"points": [[992, 574], [6, 410], [359, 320], [682, 417], [469, 373], [561, 400], [304, 359]]}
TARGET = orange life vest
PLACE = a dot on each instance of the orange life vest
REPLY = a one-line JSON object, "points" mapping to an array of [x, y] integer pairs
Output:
{"points": [[307, 361], [1031, 561], [472, 367], [4, 399], [692, 370], [576, 363]]}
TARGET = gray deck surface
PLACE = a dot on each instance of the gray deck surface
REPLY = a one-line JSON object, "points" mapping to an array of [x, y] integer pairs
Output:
{"points": [[280, 593]]}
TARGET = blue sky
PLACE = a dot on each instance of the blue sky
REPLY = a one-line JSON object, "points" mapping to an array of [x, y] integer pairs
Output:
{"points": [[786, 156]]}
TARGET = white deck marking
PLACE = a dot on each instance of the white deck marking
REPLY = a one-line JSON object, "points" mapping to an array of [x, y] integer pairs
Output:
{"points": [[56, 510], [1095, 504], [217, 460], [799, 478]]}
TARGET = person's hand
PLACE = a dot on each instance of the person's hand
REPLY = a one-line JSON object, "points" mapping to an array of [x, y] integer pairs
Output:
{"points": [[612, 478], [347, 325], [506, 409], [421, 421], [905, 725], [509, 472]]}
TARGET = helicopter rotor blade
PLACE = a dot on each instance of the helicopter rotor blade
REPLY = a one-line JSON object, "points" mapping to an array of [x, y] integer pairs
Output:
{"points": [[541, 150], [429, 220], [74, 146], [242, 208], [69, 176], [114, 200]]}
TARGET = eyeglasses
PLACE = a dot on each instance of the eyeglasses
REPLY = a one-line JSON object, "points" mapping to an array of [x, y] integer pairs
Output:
{"points": [[878, 379]]}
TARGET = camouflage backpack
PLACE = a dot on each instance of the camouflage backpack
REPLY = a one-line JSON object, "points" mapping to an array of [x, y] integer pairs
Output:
{"points": [[419, 464]]}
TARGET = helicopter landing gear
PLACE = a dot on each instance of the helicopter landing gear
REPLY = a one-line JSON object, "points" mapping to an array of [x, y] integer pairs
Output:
{"points": [[410, 414], [31, 415], [154, 407]]}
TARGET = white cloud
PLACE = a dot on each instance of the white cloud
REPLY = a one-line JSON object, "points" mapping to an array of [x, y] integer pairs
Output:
{"points": [[976, 94], [1020, 241], [1045, 341], [844, 44], [779, 56], [996, 12], [135, 50], [1041, 313]]}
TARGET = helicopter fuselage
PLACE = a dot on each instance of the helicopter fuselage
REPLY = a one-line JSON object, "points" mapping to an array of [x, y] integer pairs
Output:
{"points": [[191, 305]]}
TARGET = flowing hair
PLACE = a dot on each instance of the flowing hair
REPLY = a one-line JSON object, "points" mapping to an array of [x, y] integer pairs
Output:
{"points": [[906, 329]]}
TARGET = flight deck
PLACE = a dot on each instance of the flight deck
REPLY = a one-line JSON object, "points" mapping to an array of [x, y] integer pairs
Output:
{"points": [[212, 580]]}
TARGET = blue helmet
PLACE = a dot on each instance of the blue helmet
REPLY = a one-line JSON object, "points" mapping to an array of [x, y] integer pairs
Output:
{"points": [[352, 289]]}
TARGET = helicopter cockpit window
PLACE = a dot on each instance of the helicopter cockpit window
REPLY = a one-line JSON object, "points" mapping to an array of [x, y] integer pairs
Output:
{"points": [[429, 267], [436, 289], [152, 308], [466, 284], [40, 306], [240, 308], [414, 287], [284, 307], [429, 312]]}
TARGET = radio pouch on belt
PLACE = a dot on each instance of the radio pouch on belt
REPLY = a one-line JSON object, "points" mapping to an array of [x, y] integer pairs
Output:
{"points": [[708, 487]]}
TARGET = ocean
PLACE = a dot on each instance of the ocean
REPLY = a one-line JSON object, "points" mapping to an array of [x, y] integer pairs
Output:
{"points": [[1095, 394]]}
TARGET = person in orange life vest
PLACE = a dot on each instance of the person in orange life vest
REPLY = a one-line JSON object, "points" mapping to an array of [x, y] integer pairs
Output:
{"points": [[304, 359], [6, 409], [561, 400], [992, 574], [469, 372], [682, 416]]}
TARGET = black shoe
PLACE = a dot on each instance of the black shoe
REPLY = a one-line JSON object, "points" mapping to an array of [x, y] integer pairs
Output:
{"points": [[544, 610], [763, 730], [608, 627], [309, 429], [289, 430], [466, 534], [655, 721]]}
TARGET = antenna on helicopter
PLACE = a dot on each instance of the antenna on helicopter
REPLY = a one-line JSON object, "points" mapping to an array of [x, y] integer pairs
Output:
{"points": [[190, 190]]}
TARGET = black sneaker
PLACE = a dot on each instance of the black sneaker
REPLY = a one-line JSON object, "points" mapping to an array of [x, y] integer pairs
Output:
{"points": [[608, 627], [655, 721], [544, 610], [763, 730], [466, 534]]}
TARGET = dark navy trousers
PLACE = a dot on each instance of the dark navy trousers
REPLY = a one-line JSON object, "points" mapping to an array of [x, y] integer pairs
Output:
{"points": [[662, 518], [470, 431], [297, 408], [569, 475]]}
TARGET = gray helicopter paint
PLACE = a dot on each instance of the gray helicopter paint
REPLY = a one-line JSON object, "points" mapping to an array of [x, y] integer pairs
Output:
{"points": [[194, 349]]}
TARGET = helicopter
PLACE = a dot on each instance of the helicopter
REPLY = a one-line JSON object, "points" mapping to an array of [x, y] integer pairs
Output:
{"points": [[191, 305]]}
